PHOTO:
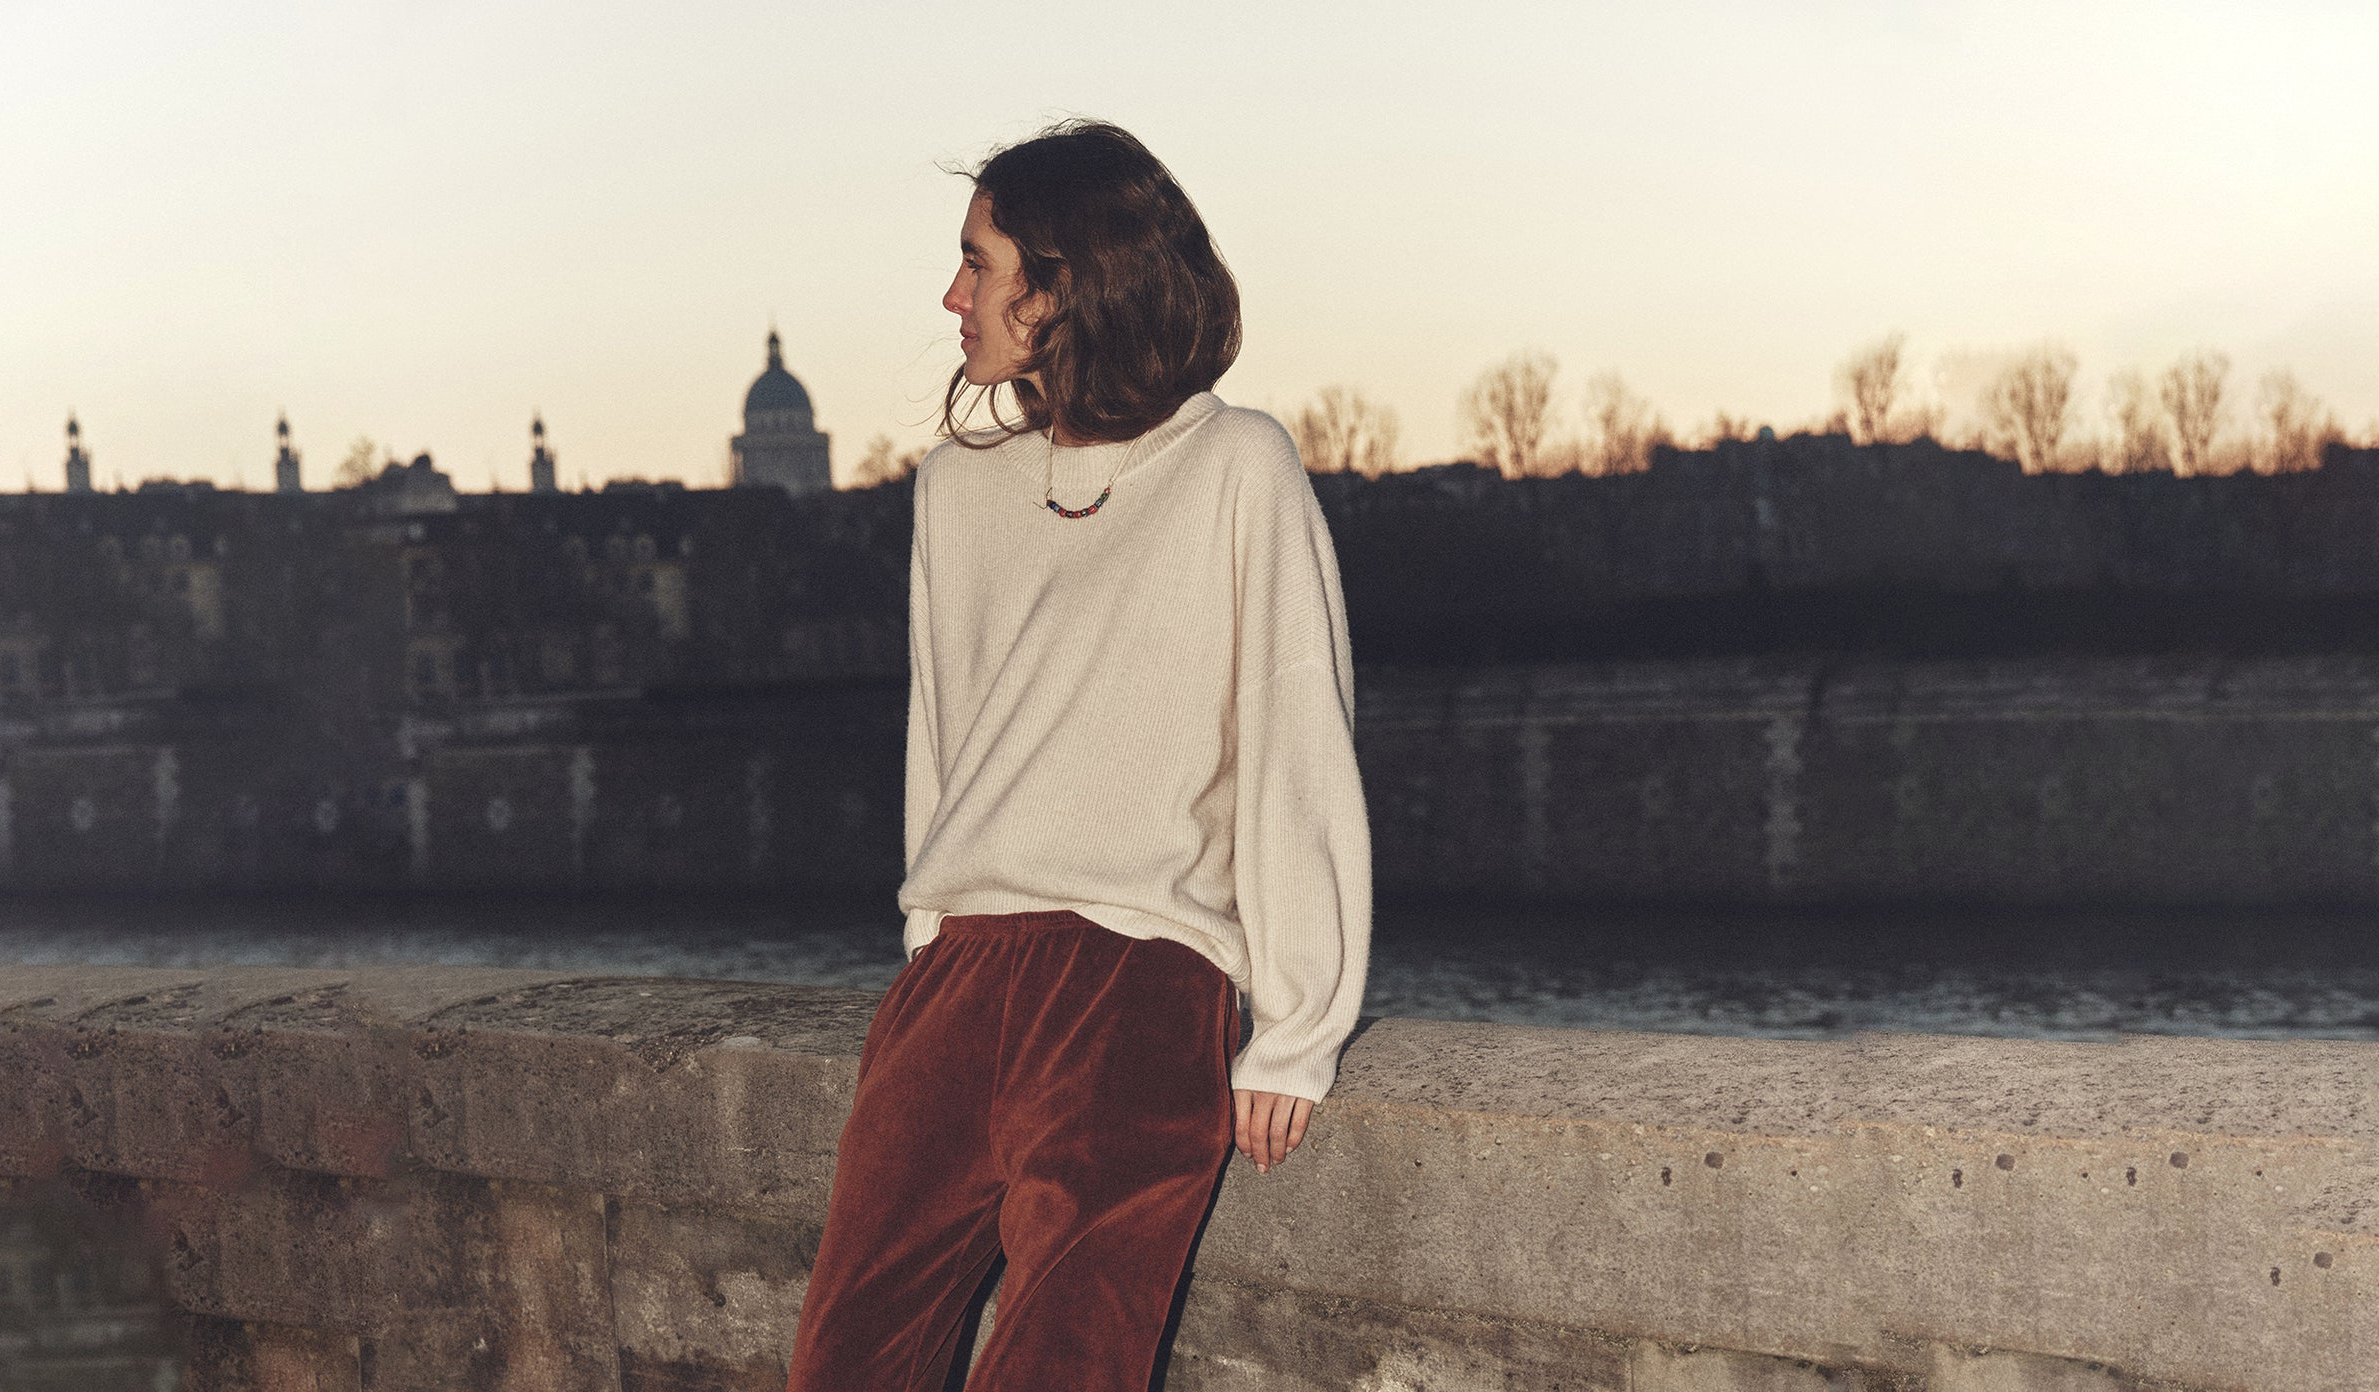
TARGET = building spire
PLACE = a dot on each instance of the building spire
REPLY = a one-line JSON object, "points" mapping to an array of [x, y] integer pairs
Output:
{"points": [[78, 459], [541, 467], [285, 461], [776, 349]]}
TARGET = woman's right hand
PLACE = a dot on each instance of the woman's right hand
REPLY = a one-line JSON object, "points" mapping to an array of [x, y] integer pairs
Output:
{"points": [[1268, 1125]]}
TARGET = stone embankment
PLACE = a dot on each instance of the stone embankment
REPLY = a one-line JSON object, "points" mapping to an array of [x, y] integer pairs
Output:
{"points": [[453, 1178]]}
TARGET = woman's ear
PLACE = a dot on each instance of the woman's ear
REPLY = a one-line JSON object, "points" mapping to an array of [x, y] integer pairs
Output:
{"points": [[1036, 306], [1028, 313]]}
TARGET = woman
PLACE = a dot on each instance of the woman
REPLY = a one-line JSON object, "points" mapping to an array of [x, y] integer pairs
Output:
{"points": [[1131, 795]]}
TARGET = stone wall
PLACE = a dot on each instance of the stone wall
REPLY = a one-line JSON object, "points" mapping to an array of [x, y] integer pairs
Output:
{"points": [[2155, 781], [1769, 672], [2042, 781], [447, 1178], [798, 786]]}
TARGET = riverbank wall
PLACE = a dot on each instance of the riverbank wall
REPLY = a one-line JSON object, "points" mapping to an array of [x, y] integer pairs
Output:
{"points": [[459, 1178], [2156, 781], [1781, 671]]}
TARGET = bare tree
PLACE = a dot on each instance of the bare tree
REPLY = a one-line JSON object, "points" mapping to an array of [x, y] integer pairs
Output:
{"points": [[878, 464], [2138, 445], [360, 464], [1560, 454], [1727, 426], [2296, 426], [1871, 383], [2030, 406], [1340, 431], [1507, 411], [2192, 394], [1621, 428]]}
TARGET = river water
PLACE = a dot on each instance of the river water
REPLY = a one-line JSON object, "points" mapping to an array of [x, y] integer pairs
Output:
{"points": [[1805, 974]]}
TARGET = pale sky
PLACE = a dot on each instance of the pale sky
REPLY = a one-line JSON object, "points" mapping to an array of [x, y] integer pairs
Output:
{"points": [[422, 221]]}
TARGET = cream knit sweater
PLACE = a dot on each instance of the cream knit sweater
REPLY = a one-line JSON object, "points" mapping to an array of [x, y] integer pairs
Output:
{"points": [[1146, 715]]}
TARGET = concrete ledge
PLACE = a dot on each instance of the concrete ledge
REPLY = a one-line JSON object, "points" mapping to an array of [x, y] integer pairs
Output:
{"points": [[445, 1178]]}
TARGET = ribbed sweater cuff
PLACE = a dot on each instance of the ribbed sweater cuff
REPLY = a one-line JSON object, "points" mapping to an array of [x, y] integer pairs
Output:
{"points": [[1308, 1075]]}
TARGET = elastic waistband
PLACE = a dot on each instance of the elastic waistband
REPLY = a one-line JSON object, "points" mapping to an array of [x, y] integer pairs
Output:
{"points": [[1021, 921]]}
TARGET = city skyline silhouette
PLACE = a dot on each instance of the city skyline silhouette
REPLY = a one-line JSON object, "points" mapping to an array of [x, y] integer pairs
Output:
{"points": [[420, 224]]}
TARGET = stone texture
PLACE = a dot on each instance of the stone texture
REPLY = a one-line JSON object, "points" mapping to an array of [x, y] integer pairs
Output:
{"points": [[1240, 1337], [551, 1290], [431, 1273], [1850, 1193], [645, 1088], [301, 1360], [1658, 1368], [33, 1103], [703, 1298], [238, 1356], [523, 1180], [359, 1257], [1991, 1370]]}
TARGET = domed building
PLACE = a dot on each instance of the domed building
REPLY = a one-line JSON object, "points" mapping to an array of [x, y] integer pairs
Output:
{"points": [[781, 445]]}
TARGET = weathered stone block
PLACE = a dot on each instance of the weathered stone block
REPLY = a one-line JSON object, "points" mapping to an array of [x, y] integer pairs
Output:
{"points": [[1815, 1201], [1993, 1370], [666, 1104], [1240, 1337], [156, 1105], [1657, 1368], [704, 1298], [459, 1349], [617, 1184], [241, 1356], [357, 1257], [333, 1102], [549, 1280], [696, 1375], [289, 1360], [33, 1111], [434, 1275]]}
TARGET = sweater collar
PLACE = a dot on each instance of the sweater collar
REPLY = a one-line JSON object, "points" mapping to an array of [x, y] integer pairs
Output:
{"points": [[1030, 453]]}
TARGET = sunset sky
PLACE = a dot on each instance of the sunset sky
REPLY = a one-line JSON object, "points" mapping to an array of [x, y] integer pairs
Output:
{"points": [[422, 221]]}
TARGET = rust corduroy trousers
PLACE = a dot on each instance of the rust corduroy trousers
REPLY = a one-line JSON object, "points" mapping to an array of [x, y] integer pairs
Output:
{"points": [[1039, 1086]]}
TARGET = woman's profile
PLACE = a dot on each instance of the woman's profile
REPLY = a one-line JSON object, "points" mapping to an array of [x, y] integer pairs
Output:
{"points": [[1131, 797]]}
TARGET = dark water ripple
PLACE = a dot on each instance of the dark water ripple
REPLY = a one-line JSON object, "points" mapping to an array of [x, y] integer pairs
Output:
{"points": [[1806, 974]]}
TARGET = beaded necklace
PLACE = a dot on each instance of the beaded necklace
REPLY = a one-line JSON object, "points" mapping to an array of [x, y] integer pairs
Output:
{"points": [[1049, 495]]}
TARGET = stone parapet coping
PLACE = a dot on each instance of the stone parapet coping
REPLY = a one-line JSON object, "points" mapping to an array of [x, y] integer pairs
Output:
{"points": [[439, 1177]]}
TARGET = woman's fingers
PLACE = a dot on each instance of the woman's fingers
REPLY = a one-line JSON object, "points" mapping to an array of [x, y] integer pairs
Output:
{"points": [[1266, 1126]]}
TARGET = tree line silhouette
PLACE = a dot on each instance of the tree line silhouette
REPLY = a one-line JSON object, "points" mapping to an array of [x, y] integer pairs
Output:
{"points": [[1516, 421]]}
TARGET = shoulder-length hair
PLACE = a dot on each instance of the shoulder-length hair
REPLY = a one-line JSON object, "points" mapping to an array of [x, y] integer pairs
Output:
{"points": [[1138, 311]]}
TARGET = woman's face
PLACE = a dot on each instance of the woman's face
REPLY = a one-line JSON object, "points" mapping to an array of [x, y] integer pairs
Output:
{"points": [[984, 296]]}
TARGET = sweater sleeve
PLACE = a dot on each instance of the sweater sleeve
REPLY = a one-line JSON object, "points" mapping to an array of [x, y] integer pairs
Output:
{"points": [[923, 792], [1301, 848]]}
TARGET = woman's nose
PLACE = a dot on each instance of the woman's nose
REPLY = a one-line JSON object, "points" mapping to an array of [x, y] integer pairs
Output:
{"points": [[954, 299]]}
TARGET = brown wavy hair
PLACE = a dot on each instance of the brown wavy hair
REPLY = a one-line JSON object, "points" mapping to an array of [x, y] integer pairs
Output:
{"points": [[1140, 314]]}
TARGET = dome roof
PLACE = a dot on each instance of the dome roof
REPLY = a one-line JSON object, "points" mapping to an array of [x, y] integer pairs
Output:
{"points": [[776, 389]]}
